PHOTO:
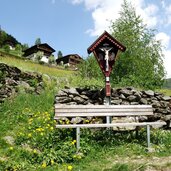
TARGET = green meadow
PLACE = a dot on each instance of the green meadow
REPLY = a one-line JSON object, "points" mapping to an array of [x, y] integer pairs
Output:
{"points": [[29, 140]]}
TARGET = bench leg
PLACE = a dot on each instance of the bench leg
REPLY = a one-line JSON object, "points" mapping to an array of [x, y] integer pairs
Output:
{"points": [[78, 138], [148, 137]]}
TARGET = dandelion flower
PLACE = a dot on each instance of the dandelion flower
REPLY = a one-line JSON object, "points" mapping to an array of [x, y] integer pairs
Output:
{"points": [[44, 165], [34, 151], [41, 133], [51, 128], [52, 162], [11, 148], [69, 167], [29, 135]]}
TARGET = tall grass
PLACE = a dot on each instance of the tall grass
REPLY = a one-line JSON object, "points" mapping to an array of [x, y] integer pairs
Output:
{"points": [[27, 65]]}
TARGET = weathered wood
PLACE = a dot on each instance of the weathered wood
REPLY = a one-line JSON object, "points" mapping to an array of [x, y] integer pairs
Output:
{"points": [[102, 110], [109, 125]]}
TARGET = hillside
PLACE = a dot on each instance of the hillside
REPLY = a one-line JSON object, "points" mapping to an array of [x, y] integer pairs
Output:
{"points": [[29, 140], [167, 84], [6, 39], [28, 65]]}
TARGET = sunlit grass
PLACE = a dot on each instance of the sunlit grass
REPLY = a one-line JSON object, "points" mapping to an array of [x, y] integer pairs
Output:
{"points": [[167, 92], [27, 65]]}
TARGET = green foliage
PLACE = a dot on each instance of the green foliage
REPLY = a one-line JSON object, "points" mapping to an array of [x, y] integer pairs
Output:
{"points": [[6, 48], [142, 63], [60, 55], [167, 83], [51, 59], [6, 38], [18, 49], [90, 69], [38, 41], [39, 56]]}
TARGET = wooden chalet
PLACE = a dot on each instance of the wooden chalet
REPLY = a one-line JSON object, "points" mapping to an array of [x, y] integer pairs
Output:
{"points": [[44, 48], [70, 60]]}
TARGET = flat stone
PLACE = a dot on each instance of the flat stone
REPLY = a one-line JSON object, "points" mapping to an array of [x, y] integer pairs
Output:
{"points": [[122, 97], [116, 102], [126, 92], [78, 99], [166, 98], [131, 98], [62, 93], [149, 92], [167, 118], [84, 97], [143, 101], [76, 120], [72, 91]]}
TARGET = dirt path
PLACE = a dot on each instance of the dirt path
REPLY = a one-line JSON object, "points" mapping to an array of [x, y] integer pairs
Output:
{"points": [[151, 163]]}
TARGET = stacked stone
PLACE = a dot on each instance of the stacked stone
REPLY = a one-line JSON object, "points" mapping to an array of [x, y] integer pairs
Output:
{"points": [[123, 96], [13, 80]]}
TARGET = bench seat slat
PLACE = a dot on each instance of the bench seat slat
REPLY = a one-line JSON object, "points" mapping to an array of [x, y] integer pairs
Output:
{"points": [[109, 125], [57, 115], [94, 110], [58, 106]]}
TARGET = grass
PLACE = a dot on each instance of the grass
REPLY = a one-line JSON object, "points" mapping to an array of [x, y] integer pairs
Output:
{"points": [[166, 91], [27, 65], [102, 151]]}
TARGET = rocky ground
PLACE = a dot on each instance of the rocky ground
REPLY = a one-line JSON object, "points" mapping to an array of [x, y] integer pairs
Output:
{"points": [[13, 80]]}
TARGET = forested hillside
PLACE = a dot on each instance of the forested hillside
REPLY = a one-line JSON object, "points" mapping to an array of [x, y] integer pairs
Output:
{"points": [[167, 84], [6, 38]]}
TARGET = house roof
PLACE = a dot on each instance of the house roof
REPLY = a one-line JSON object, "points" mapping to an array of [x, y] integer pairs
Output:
{"points": [[106, 37], [40, 46], [68, 56]]}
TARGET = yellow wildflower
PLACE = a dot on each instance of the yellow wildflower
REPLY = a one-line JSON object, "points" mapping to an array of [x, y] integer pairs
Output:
{"points": [[52, 162], [29, 135], [69, 167], [51, 128], [73, 142], [44, 165], [11, 148], [34, 151]]}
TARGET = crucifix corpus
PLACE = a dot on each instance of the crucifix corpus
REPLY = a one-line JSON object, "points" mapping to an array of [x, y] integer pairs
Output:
{"points": [[105, 50]]}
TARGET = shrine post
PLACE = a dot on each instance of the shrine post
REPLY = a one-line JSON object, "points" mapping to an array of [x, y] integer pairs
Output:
{"points": [[105, 50]]}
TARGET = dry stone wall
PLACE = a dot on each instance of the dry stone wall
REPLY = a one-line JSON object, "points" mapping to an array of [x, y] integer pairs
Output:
{"points": [[121, 96], [13, 80]]}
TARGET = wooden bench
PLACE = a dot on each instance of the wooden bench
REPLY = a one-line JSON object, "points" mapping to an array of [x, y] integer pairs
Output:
{"points": [[72, 111]]}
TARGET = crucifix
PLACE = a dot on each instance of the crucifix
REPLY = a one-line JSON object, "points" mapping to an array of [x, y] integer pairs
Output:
{"points": [[106, 50]]}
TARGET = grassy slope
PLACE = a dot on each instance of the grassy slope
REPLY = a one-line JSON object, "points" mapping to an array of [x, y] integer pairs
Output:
{"points": [[125, 156], [27, 65]]}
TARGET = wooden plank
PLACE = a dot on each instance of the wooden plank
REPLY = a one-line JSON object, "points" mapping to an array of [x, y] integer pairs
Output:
{"points": [[58, 106], [109, 125], [102, 114], [101, 110]]}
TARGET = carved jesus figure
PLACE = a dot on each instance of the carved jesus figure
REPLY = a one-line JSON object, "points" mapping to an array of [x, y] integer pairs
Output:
{"points": [[106, 50]]}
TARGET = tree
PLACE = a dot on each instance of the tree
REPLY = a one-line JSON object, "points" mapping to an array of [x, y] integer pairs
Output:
{"points": [[51, 59], [6, 48], [142, 63], [18, 49], [38, 41], [90, 69], [60, 55], [25, 46]]}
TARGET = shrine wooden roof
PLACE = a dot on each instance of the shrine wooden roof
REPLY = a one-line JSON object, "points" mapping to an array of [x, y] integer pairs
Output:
{"points": [[106, 37]]}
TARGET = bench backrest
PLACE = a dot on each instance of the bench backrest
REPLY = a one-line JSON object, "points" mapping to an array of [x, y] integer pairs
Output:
{"points": [[102, 110]]}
